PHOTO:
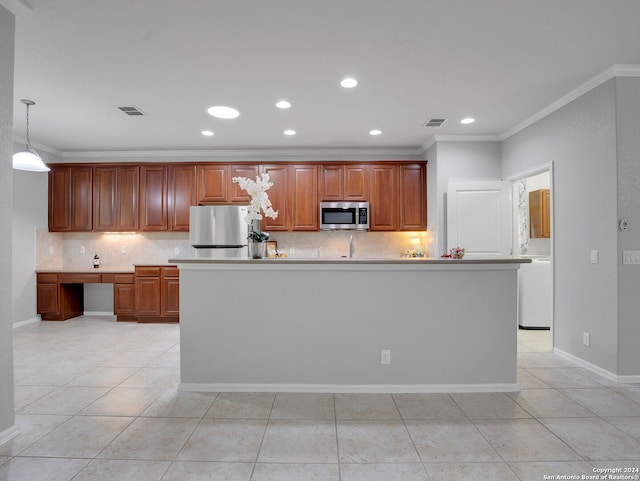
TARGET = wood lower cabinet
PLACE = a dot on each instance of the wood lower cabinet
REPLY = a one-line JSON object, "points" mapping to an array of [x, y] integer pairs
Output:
{"points": [[124, 297], [157, 293]]}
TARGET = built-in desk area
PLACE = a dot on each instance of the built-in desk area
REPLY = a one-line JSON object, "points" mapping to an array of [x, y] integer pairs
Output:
{"points": [[142, 294]]}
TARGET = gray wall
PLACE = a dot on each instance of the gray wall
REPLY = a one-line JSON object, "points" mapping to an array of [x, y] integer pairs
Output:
{"points": [[7, 40], [580, 140], [628, 147], [29, 213], [458, 160]]}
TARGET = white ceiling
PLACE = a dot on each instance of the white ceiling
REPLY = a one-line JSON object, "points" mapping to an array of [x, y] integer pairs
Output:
{"points": [[500, 61]]}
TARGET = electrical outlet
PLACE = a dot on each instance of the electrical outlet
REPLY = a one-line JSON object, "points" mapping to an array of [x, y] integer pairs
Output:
{"points": [[385, 356], [586, 339], [292, 251], [594, 257], [176, 250], [51, 250], [82, 250], [123, 250]]}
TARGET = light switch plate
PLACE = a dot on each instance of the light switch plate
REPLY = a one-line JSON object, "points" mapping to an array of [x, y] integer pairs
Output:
{"points": [[631, 257]]}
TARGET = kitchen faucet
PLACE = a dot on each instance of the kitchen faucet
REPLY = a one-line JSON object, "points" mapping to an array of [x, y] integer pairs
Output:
{"points": [[351, 249]]}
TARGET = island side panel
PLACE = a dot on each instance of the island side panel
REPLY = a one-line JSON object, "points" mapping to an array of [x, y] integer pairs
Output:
{"points": [[308, 326]]}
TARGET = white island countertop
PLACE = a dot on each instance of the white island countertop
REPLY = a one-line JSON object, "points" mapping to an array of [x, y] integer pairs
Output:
{"points": [[349, 260]]}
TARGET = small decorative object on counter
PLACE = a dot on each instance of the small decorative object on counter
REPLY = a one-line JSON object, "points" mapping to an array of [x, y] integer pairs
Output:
{"points": [[96, 261], [259, 205], [457, 253]]}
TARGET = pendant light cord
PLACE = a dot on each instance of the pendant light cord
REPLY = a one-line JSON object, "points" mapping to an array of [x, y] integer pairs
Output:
{"points": [[28, 141]]}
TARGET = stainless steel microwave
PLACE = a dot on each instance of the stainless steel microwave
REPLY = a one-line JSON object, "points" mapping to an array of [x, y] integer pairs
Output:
{"points": [[344, 215]]}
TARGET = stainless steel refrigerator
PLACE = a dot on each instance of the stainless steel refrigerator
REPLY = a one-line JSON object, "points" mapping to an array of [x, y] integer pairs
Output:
{"points": [[218, 231]]}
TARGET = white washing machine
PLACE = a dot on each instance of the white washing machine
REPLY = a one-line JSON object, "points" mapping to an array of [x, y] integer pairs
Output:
{"points": [[535, 294]]}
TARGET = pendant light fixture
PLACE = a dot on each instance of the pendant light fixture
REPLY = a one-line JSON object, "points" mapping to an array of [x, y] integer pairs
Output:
{"points": [[29, 159]]}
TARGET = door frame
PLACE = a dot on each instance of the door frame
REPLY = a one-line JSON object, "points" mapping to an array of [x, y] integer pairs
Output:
{"points": [[545, 167]]}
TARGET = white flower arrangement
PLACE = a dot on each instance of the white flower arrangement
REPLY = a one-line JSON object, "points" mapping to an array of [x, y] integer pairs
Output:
{"points": [[260, 203]]}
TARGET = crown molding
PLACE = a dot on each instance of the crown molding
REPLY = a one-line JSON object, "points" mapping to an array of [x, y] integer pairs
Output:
{"points": [[467, 138], [618, 70], [413, 153], [38, 146]]}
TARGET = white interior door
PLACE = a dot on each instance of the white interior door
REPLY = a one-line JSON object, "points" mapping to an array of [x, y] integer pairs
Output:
{"points": [[479, 217]]}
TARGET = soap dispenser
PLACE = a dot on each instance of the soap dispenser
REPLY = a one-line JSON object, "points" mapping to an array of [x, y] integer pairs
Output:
{"points": [[96, 261]]}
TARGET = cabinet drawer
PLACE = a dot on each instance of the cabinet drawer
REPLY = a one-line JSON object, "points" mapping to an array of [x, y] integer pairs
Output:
{"points": [[124, 279], [80, 278], [148, 271], [48, 278], [171, 271]]}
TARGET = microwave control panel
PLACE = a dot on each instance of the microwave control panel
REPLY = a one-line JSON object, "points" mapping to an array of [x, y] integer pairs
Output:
{"points": [[362, 215]]}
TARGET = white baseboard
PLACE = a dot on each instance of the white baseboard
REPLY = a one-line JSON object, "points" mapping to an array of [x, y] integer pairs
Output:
{"points": [[597, 369], [27, 322], [347, 388], [9, 434]]}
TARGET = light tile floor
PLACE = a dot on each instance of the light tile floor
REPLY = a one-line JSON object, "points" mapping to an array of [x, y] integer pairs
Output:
{"points": [[97, 400]]}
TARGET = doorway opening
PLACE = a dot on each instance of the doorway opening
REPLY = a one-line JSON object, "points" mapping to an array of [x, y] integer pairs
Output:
{"points": [[532, 202]]}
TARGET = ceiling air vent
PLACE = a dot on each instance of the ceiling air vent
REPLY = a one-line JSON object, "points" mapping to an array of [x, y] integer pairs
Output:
{"points": [[131, 110], [435, 122]]}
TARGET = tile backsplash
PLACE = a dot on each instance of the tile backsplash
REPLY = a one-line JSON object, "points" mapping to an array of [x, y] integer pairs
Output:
{"points": [[56, 250]]}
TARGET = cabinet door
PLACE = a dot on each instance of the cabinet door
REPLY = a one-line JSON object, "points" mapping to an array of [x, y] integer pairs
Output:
{"points": [[48, 298], [147, 294], [153, 198], [104, 198], [115, 197], [304, 194], [127, 198], [248, 171], [356, 183], [171, 296], [59, 199], [413, 197], [332, 183], [278, 197], [546, 213], [182, 195], [213, 183], [70, 199], [124, 299], [384, 198], [539, 214]]}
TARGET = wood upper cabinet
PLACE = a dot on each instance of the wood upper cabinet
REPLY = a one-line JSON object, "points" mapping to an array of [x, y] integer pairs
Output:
{"points": [[214, 183], [344, 182], [413, 197], [383, 200], [278, 195], [250, 172], [70, 198], [115, 197], [153, 198], [303, 193], [540, 214], [181, 195]]}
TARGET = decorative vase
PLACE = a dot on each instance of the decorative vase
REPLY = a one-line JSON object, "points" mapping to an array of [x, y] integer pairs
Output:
{"points": [[257, 250]]}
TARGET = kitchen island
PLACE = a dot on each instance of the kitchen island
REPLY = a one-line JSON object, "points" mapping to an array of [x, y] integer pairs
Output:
{"points": [[325, 325]]}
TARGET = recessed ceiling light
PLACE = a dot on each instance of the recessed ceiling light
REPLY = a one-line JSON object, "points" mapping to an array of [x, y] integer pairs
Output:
{"points": [[289, 132], [283, 104], [375, 132], [467, 120], [349, 83], [207, 133], [223, 112]]}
